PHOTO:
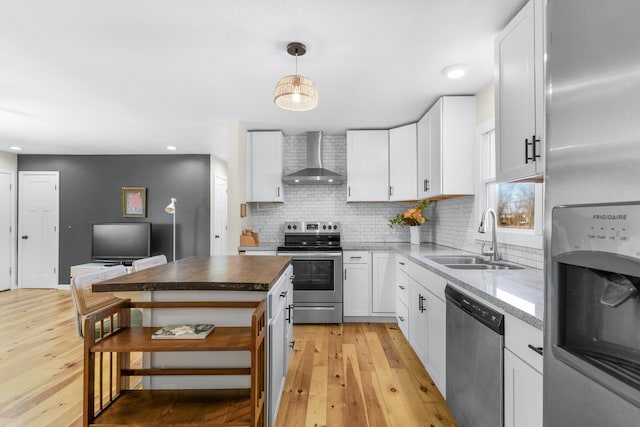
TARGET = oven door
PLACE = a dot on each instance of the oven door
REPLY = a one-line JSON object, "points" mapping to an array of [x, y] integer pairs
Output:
{"points": [[317, 276]]}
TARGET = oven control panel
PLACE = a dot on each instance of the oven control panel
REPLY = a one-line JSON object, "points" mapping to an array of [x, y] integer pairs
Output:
{"points": [[613, 228], [312, 227]]}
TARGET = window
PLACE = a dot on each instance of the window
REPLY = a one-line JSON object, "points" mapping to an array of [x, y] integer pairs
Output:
{"points": [[518, 206]]}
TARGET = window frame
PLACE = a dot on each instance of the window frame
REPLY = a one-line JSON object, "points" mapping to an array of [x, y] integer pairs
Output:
{"points": [[531, 238]]}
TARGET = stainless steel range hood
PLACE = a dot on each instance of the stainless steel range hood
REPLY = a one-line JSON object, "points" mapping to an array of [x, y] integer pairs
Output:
{"points": [[314, 173]]}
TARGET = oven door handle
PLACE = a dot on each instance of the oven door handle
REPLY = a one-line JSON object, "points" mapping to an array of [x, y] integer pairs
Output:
{"points": [[303, 254]]}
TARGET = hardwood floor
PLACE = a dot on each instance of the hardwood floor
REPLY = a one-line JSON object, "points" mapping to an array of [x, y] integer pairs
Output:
{"points": [[358, 375], [341, 375]]}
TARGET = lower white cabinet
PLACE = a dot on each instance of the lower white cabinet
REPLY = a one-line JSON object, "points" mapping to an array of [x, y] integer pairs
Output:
{"points": [[402, 295], [280, 310], [522, 393], [383, 286], [522, 374], [427, 322], [356, 283]]}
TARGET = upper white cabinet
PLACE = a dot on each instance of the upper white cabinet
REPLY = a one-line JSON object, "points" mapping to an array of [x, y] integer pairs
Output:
{"points": [[520, 95], [445, 148], [264, 166], [367, 165], [402, 163]]}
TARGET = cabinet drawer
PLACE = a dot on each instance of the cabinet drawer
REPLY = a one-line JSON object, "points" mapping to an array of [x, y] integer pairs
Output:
{"points": [[355, 257], [518, 335], [402, 314], [428, 279], [278, 294]]}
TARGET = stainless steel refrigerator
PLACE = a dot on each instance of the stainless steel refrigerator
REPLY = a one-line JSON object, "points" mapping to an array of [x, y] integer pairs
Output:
{"points": [[592, 214]]}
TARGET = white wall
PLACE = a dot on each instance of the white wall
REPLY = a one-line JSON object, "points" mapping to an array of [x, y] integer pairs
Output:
{"points": [[236, 174]]}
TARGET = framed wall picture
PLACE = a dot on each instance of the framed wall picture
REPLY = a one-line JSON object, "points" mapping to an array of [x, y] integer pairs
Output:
{"points": [[134, 202]]}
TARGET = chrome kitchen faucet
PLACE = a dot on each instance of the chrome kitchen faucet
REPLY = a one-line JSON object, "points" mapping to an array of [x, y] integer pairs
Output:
{"points": [[494, 253]]}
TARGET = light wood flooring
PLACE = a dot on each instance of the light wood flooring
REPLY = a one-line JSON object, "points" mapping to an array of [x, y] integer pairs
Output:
{"points": [[342, 375]]}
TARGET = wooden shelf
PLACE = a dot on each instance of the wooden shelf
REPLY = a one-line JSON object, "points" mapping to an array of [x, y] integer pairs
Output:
{"points": [[139, 339], [108, 401], [178, 407]]}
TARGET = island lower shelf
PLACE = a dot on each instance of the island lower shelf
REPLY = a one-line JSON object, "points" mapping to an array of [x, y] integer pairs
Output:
{"points": [[179, 407], [110, 400]]}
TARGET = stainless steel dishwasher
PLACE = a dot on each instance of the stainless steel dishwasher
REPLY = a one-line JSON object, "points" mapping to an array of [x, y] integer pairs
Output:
{"points": [[475, 344]]}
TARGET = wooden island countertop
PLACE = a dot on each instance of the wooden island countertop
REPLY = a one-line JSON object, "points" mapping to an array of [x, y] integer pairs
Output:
{"points": [[203, 273]]}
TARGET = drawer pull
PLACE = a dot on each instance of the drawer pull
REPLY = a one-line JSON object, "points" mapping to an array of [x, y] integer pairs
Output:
{"points": [[401, 287], [400, 262], [283, 294], [401, 318], [538, 350], [355, 257]]}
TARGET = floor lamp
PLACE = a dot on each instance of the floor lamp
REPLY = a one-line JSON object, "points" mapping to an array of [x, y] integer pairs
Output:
{"points": [[171, 209]]}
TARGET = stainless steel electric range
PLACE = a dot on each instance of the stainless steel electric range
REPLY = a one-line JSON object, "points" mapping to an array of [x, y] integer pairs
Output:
{"points": [[317, 269]]}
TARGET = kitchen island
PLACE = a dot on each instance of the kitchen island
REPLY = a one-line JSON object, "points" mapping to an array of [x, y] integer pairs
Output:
{"points": [[226, 291]]}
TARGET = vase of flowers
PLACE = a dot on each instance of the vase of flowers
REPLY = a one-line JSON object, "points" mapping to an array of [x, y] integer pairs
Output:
{"points": [[412, 218]]}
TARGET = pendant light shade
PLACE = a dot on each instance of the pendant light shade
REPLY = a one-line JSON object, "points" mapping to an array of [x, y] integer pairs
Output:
{"points": [[296, 92]]}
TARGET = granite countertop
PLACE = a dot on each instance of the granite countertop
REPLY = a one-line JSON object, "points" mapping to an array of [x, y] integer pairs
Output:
{"points": [[517, 292], [230, 273]]}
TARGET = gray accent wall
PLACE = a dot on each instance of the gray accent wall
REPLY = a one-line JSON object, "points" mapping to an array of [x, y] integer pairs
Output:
{"points": [[90, 192]]}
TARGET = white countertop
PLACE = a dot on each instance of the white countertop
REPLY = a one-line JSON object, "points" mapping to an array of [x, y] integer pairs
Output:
{"points": [[517, 292]]}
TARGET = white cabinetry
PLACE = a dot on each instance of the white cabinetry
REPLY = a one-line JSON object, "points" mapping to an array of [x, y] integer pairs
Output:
{"points": [[522, 374], [446, 136], [264, 166], [383, 286], [280, 310], [402, 294], [356, 283], [427, 322], [520, 95], [402, 163], [367, 166]]}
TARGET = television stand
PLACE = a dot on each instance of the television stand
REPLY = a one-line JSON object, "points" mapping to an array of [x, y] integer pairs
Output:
{"points": [[90, 267]]}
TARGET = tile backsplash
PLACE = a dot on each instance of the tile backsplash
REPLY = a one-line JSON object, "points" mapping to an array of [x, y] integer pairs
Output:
{"points": [[451, 222]]}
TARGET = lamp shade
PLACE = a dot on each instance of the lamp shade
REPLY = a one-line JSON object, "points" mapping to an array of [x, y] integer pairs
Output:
{"points": [[296, 93], [171, 208]]}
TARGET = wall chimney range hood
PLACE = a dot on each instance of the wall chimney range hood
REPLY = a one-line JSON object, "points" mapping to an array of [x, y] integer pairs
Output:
{"points": [[314, 173]]}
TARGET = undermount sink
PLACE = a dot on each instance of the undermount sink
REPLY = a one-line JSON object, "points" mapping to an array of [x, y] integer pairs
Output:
{"points": [[471, 262], [457, 259]]}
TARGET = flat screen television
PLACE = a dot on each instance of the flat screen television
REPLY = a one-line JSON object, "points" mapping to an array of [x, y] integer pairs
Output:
{"points": [[120, 242]]}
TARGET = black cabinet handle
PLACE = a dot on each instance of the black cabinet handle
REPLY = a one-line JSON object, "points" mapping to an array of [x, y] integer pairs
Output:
{"points": [[535, 154], [401, 287], [289, 316], [538, 350], [421, 306], [345, 274], [292, 343], [349, 191], [401, 263], [401, 318], [526, 151], [283, 294], [25, 237], [355, 257], [428, 186]]}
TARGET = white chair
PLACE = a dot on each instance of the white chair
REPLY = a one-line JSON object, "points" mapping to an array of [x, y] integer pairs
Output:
{"points": [[144, 263], [87, 302]]}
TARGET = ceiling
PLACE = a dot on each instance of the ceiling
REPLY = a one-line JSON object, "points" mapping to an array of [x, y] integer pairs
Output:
{"points": [[134, 76]]}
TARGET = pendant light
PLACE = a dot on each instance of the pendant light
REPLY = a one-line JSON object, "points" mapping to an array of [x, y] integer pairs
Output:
{"points": [[296, 92]]}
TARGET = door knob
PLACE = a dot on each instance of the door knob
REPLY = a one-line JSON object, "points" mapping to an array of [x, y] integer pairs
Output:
{"points": [[25, 237]]}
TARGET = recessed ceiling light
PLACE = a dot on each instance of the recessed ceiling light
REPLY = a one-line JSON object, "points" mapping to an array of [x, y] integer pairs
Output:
{"points": [[455, 71], [15, 148], [171, 148]]}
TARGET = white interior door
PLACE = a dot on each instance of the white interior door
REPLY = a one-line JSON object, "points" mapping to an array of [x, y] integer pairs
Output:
{"points": [[220, 216], [6, 240], [38, 211]]}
